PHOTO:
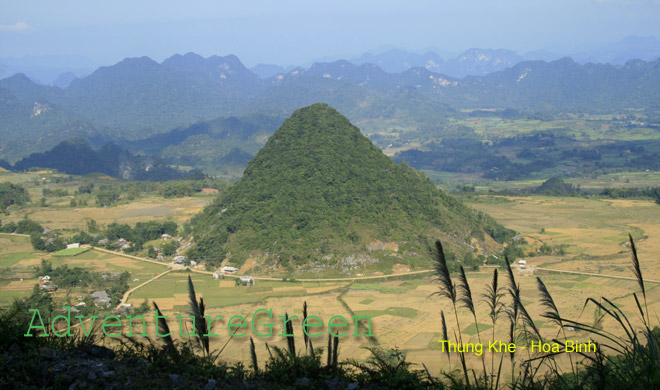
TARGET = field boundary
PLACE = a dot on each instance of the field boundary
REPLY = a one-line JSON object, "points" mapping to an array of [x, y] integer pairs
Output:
{"points": [[348, 279], [15, 234], [129, 292], [593, 274]]}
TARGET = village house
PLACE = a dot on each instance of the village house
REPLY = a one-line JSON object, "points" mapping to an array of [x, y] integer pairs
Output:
{"points": [[228, 270], [166, 236], [74, 245], [101, 298], [44, 278], [179, 260], [246, 280], [218, 275], [73, 310], [49, 287]]}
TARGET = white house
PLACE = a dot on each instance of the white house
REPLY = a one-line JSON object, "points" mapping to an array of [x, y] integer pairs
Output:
{"points": [[522, 263], [228, 270], [74, 245], [247, 279]]}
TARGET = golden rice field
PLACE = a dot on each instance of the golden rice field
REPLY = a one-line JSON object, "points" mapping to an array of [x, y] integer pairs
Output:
{"points": [[403, 313]]}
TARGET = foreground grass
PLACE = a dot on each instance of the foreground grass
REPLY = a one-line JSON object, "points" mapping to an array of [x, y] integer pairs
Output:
{"points": [[628, 361]]}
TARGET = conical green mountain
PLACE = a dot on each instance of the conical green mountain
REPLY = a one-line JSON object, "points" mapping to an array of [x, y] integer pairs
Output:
{"points": [[318, 189]]}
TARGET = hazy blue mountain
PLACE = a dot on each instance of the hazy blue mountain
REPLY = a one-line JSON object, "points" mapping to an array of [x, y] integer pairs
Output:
{"points": [[629, 48], [27, 91], [138, 98], [142, 97], [38, 126], [397, 61], [64, 80], [5, 71], [227, 71], [560, 85], [266, 71], [46, 68], [476, 62]]}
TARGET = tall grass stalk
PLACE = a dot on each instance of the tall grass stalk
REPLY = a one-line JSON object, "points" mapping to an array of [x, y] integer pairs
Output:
{"points": [[465, 299], [493, 298], [552, 314], [448, 289]]}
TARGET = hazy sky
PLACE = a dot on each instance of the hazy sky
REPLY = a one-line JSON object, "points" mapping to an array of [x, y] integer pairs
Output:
{"points": [[296, 31]]}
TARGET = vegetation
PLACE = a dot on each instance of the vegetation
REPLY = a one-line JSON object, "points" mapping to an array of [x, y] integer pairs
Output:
{"points": [[622, 362], [76, 156], [12, 194], [315, 184]]}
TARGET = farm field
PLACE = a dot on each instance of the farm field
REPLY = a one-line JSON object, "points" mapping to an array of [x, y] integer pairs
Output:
{"points": [[593, 231], [403, 313], [60, 215], [18, 262]]}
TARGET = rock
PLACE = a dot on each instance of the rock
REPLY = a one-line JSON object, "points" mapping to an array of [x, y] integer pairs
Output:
{"points": [[47, 353], [303, 381], [15, 349], [100, 352], [335, 384], [210, 385], [176, 380]]}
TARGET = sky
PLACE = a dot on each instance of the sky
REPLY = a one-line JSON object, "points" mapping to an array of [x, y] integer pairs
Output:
{"points": [[293, 32]]}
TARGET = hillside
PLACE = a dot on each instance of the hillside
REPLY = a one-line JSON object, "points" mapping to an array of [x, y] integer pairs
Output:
{"points": [[319, 190], [139, 98], [76, 156]]}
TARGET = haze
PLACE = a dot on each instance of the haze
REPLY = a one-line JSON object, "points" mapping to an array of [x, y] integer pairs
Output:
{"points": [[296, 31]]}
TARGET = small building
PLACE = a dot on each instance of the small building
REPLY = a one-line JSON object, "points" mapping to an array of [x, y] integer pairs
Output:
{"points": [[103, 241], [44, 278], [49, 287], [74, 245], [166, 236], [179, 260], [125, 247], [246, 280], [101, 298], [228, 270], [73, 310], [522, 263], [218, 275], [193, 263]]}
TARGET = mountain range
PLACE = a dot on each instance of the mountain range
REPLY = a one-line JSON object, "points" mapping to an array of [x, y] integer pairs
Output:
{"points": [[139, 98]]}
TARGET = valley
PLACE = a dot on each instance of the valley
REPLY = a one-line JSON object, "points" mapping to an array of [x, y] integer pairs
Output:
{"points": [[580, 234]]}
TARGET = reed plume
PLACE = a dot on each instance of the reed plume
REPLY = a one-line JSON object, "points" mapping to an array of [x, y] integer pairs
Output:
{"points": [[448, 289], [199, 322]]}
